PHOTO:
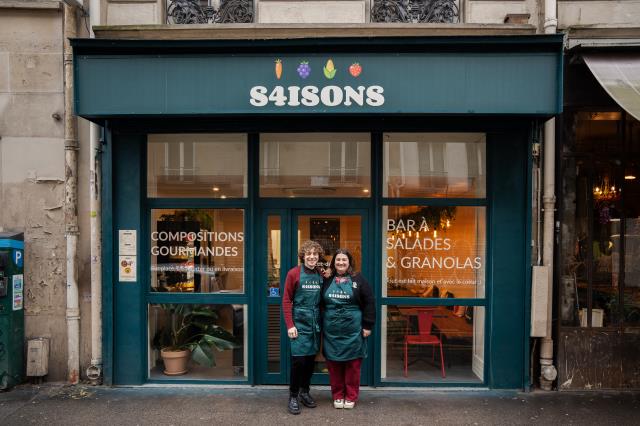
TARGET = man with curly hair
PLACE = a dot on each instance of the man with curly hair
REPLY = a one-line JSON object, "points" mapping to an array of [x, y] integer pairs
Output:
{"points": [[301, 311]]}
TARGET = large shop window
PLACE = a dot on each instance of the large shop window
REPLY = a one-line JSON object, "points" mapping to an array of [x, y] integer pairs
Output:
{"points": [[600, 272], [197, 165], [433, 254], [197, 250], [315, 165], [434, 165], [212, 339], [434, 251]]}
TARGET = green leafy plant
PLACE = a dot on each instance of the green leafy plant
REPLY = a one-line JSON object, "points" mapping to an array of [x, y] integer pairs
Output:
{"points": [[194, 327]]}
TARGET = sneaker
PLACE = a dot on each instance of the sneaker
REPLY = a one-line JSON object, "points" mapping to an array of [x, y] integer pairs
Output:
{"points": [[338, 403], [294, 406], [307, 400], [349, 404]]}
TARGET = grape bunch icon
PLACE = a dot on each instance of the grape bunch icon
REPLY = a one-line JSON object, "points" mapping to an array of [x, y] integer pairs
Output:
{"points": [[304, 70]]}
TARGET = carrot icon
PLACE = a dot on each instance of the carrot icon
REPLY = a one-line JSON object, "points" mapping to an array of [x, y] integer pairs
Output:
{"points": [[278, 69]]}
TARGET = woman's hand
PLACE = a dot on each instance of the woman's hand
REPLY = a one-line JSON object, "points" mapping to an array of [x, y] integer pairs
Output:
{"points": [[292, 333], [366, 333], [327, 272]]}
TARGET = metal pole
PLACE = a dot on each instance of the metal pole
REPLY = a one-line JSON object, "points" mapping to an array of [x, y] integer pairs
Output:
{"points": [[71, 201], [94, 371]]}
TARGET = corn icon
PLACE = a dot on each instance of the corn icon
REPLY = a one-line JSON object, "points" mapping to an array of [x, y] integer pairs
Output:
{"points": [[329, 70]]}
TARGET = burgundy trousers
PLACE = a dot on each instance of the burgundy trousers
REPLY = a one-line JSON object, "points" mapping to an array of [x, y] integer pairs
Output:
{"points": [[344, 377]]}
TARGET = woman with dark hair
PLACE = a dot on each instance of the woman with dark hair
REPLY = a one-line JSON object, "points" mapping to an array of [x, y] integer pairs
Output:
{"points": [[301, 311], [348, 318]]}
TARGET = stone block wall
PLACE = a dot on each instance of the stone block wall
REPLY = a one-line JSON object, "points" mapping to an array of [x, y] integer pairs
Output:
{"points": [[32, 165]]}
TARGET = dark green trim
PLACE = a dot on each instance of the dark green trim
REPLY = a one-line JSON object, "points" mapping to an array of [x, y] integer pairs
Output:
{"points": [[425, 384], [510, 43], [130, 362], [508, 261], [434, 201], [197, 298], [197, 382], [377, 177], [428, 301], [197, 203], [107, 258], [313, 203]]}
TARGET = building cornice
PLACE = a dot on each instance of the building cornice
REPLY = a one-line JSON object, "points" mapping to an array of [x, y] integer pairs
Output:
{"points": [[301, 31], [30, 4]]}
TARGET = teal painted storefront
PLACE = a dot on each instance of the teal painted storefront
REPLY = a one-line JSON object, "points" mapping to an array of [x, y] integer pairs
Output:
{"points": [[501, 87]]}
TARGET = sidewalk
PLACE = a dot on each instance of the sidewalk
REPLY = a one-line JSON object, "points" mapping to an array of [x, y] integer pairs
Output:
{"points": [[86, 405]]}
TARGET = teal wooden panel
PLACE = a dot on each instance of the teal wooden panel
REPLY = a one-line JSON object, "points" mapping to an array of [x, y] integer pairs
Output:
{"points": [[508, 159], [437, 83], [130, 312]]}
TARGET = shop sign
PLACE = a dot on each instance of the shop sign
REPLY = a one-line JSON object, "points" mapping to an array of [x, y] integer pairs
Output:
{"points": [[423, 248], [329, 95], [187, 245], [464, 83]]}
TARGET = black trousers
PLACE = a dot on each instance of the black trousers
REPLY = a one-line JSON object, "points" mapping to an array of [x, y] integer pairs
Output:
{"points": [[301, 372]]}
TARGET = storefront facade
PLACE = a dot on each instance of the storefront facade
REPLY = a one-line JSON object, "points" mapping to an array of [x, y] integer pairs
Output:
{"points": [[598, 274], [220, 157]]}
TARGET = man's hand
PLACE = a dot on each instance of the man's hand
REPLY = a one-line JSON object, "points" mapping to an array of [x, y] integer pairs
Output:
{"points": [[292, 333]]}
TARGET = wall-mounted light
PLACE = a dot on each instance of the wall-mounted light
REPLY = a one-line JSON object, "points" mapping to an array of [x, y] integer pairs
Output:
{"points": [[629, 173]]}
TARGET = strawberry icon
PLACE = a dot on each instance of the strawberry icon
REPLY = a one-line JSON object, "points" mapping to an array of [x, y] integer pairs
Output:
{"points": [[355, 69]]}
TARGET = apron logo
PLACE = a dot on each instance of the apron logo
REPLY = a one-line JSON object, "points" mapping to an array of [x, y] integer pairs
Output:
{"points": [[354, 285]]}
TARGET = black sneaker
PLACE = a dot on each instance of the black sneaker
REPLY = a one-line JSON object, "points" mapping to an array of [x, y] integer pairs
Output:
{"points": [[294, 406], [307, 400]]}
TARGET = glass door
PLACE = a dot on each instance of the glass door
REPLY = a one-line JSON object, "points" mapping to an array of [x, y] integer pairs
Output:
{"points": [[283, 231]]}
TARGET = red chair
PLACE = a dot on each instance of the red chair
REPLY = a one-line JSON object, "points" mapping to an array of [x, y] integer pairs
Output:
{"points": [[424, 337]]}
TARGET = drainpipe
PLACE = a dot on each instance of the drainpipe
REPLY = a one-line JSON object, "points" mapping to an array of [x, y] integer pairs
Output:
{"points": [[94, 371], [71, 200], [548, 372]]}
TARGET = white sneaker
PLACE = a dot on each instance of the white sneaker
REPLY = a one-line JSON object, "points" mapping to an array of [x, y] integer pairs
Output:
{"points": [[349, 404], [338, 403]]}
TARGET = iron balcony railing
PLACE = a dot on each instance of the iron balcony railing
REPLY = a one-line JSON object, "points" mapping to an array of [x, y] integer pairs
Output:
{"points": [[210, 11], [242, 11], [415, 11]]}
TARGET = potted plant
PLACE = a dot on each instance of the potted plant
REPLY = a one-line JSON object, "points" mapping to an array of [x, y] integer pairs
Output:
{"points": [[192, 333]]}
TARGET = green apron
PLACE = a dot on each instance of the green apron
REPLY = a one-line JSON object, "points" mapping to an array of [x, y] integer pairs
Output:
{"points": [[342, 322], [306, 314]]}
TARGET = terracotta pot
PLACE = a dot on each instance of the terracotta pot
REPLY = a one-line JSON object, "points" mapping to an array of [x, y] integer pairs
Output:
{"points": [[175, 362]]}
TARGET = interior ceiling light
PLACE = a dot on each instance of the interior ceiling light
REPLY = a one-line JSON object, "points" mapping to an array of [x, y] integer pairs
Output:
{"points": [[216, 189]]}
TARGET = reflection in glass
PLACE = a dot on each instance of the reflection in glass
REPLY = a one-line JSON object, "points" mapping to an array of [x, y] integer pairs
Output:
{"points": [[197, 165], [333, 232], [631, 309], [432, 343], [315, 165], [575, 243], [195, 326], [273, 338], [273, 256], [605, 248], [434, 165], [431, 251], [197, 250]]}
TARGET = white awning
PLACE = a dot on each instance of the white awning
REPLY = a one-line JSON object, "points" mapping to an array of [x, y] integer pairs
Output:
{"points": [[619, 75]]}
